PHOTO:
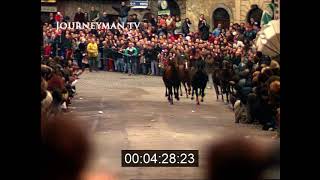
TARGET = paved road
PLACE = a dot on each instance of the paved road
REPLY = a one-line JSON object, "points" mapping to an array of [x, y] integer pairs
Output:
{"points": [[136, 115]]}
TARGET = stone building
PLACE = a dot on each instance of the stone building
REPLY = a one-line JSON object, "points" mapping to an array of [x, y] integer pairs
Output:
{"points": [[215, 11]]}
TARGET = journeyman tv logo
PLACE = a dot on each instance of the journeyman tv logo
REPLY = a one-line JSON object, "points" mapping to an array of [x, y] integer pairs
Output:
{"points": [[95, 25]]}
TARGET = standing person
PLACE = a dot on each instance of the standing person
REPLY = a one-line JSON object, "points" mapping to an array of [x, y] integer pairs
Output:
{"points": [[216, 32], [203, 28], [123, 11], [86, 17], [100, 54], [92, 50], [153, 21], [80, 50], [79, 16], [153, 58], [170, 23], [104, 18], [186, 27], [94, 15], [178, 26], [131, 53], [58, 17], [52, 20]]}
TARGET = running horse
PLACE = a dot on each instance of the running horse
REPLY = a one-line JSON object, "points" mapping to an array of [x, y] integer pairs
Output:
{"points": [[171, 81], [184, 77], [199, 81]]}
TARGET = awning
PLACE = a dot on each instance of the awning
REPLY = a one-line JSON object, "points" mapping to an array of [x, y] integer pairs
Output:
{"points": [[268, 39]]}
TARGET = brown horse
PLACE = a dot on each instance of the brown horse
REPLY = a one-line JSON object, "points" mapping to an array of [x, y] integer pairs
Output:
{"points": [[185, 79], [171, 81], [199, 79]]}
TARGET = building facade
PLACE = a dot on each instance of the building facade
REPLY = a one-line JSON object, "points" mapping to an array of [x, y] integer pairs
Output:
{"points": [[215, 11]]}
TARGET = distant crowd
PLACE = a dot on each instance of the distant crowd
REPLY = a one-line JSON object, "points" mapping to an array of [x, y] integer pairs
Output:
{"points": [[158, 40]]}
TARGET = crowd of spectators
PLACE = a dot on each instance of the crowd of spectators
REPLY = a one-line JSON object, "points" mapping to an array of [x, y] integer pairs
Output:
{"points": [[148, 48]]}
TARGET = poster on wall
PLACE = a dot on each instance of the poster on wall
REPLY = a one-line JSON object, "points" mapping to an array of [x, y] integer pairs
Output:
{"points": [[139, 4]]}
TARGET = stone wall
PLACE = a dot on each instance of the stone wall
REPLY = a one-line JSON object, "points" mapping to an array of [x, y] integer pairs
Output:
{"points": [[237, 9], [68, 8]]}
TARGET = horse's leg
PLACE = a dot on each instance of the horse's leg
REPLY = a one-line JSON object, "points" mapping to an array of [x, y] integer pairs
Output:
{"points": [[202, 93], [192, 93], [216, 89], [171, 95], [189, 88], [166, 95], [197, 97], [222, 90], [227, 93], [177, 92], [185, 88], [180, 89]]}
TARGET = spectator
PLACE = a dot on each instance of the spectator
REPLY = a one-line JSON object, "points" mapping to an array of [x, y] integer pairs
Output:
{"points": [[123, 11], [131, 54], [170, 24], [203, 28], [92, 50], [94, 15], [86, 17], [186, 27], [153, 21], [52, 20], [104, 18], [58, 17], [216, 32], [79, 16], [178, 26], [238, 158]]}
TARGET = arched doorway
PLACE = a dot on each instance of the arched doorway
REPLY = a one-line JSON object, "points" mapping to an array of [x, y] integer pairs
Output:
{"points": [[174, 8], [221, 16], [255, 13]]}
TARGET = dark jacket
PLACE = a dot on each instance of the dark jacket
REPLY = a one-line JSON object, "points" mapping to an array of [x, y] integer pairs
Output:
{"points": [[150, 55], [79, 17], [122, 10], [204, 30], [104, 19], [185, 28]]}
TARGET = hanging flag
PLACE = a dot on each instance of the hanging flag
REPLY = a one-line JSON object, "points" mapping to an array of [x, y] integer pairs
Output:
{"points": [[268, 14]]}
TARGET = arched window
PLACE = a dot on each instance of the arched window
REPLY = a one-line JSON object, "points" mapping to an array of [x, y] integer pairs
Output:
{"points": [[174, 8], [221, 16]]}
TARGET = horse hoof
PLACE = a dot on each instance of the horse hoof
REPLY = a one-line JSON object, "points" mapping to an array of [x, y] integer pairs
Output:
{"points": [[198, 103], [201, 100], [192, 98]]}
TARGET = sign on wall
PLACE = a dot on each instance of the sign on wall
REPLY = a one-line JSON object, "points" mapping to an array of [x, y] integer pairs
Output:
{"points": [[164, 12], [48, 1], [139, 4], [48, 8]]}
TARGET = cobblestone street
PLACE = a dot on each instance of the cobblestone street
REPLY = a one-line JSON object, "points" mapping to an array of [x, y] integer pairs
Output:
{"points": [[135, 114]]}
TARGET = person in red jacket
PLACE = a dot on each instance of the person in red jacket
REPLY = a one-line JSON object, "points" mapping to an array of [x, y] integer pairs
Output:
{"points": [[47, 50], [58, 17]]}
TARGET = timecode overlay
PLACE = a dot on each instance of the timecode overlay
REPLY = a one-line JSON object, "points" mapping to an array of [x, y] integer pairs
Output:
{"points": [[160, 158]]}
